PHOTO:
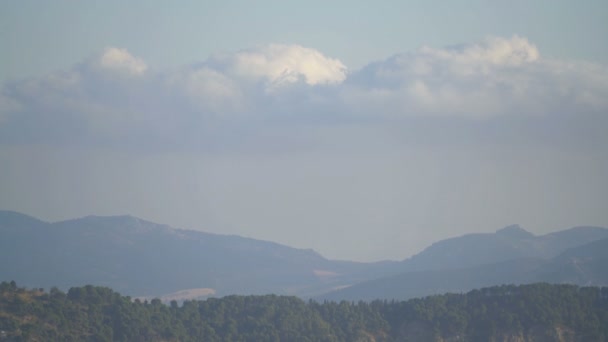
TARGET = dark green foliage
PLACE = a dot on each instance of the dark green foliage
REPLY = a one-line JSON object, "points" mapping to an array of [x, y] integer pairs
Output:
{"points": [[90, 313]]}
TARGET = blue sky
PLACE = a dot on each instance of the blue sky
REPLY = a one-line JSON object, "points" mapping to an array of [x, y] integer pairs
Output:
{"points": [[363, 131]]}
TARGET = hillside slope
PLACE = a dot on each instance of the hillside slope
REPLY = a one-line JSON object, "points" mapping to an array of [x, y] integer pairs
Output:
{"points": [[585, 265], [142, 258]]}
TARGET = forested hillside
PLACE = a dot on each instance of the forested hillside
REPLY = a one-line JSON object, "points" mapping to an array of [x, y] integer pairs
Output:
{"points": [[537, 312]]}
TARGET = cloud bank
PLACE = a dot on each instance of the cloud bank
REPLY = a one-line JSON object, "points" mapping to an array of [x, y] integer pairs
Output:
{"points": [[284, 143], [115, 96], [496, 77]]}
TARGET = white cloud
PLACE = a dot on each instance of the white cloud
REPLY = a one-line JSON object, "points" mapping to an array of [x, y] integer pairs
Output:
{"points": [[210, 90], [122, 61], [495, 77], [284, 64], [498, 77], [515, 51], [257, 81]]}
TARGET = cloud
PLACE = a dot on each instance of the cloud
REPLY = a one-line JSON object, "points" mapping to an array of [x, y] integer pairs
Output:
{"points": [[497, 51], [209, 90], [279, 64], [496, 77], [7, 105], [120, 60], [115, 95]]}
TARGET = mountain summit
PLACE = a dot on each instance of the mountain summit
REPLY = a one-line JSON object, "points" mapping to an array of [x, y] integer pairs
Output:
{"points": [[515, 231]]}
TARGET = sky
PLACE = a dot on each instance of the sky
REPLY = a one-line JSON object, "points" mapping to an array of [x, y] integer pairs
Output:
{"points": [[363, 131]]}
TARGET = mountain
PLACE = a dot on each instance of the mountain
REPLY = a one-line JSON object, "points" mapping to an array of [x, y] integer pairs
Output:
{"points": [[424, 283], [585, 264], [142, 258], [509, 243], [146, 259]]}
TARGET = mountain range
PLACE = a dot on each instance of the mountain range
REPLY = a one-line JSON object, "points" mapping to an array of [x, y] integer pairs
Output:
{"points": [[510, 256], [146, 259]]}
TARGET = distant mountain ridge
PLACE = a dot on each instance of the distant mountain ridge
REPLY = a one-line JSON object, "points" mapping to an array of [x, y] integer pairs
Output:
{"points": [[142, 258], [508, 243], [510, 256], [146, 259]]}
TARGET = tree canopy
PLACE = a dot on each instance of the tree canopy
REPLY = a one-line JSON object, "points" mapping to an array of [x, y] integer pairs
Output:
{"points": [[92, 313]]}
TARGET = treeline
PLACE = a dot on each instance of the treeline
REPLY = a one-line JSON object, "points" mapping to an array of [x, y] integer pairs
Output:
{"points": [[516, 313]]}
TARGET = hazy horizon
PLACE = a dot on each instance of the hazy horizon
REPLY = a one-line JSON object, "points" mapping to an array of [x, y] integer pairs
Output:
{"points": [[362, 132]]}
